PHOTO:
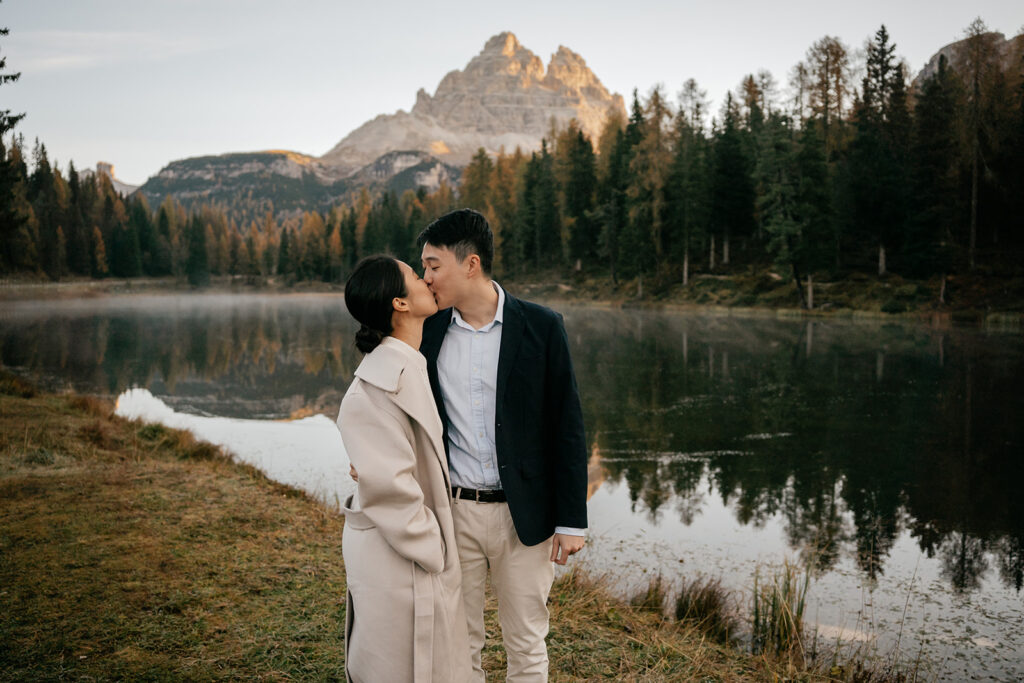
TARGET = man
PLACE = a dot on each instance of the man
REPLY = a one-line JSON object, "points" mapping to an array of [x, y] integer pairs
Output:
{"points": [[503, 382]]}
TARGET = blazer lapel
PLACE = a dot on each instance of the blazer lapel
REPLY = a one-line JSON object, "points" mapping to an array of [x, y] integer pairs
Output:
{"points": [[434, 329], [511, 335]]}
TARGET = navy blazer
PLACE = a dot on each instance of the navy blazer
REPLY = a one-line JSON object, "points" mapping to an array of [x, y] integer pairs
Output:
{"points": [[541, 449]]}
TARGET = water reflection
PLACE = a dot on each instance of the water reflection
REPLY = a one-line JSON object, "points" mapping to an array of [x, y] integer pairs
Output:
{"points": [[852, 434], [230, 356]]}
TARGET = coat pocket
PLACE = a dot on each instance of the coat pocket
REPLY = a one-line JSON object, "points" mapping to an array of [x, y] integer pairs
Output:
{"points": [[356, 519]]}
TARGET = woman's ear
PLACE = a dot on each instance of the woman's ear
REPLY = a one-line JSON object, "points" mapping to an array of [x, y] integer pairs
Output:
{"points": [[400, 304]]}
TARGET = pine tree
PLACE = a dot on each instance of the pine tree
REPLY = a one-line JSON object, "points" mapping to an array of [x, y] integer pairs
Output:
{"points": [[828, 77], [197, 267], [140, 221], [270, 245], [312, 247], [42, 193], [644, 244], [99, 254], [539, 229], [629, 238], [981, 56], [77, 235], [878, 156], [363, 208], [794, 199], [475, 188], [732, 191], [503, 202], [687, 191], [935, 160], [285, 267], [349, 227], [575, 169], [15, 240], [610, 212]]}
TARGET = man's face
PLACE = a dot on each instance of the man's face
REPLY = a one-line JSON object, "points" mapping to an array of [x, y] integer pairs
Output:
{"points": [[443, 274]]}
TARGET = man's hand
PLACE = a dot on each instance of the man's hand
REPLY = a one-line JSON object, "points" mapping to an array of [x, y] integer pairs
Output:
{"points": [[352, 473], [564, 545]]}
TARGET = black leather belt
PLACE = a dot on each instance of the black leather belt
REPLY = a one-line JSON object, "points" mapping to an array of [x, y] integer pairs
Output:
{"points": [[481, 496]]}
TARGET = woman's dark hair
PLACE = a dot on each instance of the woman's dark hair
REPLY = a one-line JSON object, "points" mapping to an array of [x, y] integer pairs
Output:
{"points": [[369, 291], [463, 232]]}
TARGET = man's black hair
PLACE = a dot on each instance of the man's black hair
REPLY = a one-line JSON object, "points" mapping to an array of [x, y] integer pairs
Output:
{"points": [[463, 232]]}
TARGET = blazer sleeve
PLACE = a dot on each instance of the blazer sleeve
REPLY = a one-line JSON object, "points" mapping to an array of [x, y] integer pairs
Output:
{"points": [[389, 494], [566, 435]]}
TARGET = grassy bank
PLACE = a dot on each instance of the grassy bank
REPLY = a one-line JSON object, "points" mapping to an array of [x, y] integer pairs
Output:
{"points": [[963, 299], [132, 551]]}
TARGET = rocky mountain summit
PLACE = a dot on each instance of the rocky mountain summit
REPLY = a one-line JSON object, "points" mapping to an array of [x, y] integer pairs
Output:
{"points": [[503, 98], [956, 54], [104, 168]]}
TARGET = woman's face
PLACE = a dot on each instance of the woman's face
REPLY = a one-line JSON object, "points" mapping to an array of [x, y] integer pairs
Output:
{"points": [[418, 294]]}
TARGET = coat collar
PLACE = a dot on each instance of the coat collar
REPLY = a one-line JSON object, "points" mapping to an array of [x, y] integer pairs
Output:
{"points": [[383, 366]]}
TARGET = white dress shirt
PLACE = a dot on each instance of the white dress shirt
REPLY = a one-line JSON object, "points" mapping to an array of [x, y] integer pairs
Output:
{"points": [[467, 369]]}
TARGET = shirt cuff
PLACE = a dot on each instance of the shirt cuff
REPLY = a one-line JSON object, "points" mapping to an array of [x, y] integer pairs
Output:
{"points": [[570, 531]]}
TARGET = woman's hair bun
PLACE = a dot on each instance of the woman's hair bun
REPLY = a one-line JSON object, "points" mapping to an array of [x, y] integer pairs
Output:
{"points": [[368, 338]]}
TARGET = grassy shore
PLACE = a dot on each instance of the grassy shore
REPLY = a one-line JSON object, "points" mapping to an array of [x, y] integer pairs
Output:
{"points": [[132, 551], [966, 299]]}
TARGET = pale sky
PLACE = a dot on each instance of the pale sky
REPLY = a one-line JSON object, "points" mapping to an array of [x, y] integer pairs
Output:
{"points": [[140, 83]]}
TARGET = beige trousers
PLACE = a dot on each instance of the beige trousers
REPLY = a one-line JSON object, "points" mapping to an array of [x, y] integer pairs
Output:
{"points": [[521, 577]]}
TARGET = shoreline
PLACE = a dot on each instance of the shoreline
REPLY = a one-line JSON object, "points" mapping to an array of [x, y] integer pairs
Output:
{"points": [[134, 550], [599, 293]]}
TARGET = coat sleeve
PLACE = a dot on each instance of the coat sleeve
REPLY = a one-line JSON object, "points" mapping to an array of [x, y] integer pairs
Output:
{"points": [[566, 431], [389, 494]]}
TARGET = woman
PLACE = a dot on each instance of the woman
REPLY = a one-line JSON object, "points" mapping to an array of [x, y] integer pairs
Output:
{"points": [[405, 619]]}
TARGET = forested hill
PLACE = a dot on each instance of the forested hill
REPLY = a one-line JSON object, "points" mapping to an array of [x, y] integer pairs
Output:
{"points": [[829, 177], [249, 184]]}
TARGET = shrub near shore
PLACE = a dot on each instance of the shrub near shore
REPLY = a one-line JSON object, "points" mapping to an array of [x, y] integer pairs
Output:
{"points": [[133, 551]]}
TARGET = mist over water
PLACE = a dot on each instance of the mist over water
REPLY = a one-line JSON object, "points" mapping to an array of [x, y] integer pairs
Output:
{"points": [[885, 457]]}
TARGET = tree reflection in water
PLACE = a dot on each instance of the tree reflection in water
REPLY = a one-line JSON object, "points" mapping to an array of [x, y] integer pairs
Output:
{"points": [[851, 434]]}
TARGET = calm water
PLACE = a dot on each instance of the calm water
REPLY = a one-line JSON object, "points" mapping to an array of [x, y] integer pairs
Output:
{"points": [[888, 458]]}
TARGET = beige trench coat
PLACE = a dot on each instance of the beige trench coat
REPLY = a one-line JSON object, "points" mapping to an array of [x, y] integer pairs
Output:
{"points": [[405, 619]]}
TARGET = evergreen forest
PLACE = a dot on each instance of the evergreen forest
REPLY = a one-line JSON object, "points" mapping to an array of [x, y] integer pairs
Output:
{"points": [[847, 168]]}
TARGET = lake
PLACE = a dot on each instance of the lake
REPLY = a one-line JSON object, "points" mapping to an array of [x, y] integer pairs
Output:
{"points": [[885, 457]]}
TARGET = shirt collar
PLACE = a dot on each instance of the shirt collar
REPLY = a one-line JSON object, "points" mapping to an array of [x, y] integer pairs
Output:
{"points": [[499, 315]]}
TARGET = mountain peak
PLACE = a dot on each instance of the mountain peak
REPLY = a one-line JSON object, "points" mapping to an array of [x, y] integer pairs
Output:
{"points": [[504, 97], [505, 42]]}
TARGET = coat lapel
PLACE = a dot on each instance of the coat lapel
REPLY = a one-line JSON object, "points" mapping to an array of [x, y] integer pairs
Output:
{"points": [[383, 368], [417, 401]]}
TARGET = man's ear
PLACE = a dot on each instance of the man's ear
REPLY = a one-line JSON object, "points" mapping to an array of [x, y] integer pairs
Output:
{"points": [[473, 265]]}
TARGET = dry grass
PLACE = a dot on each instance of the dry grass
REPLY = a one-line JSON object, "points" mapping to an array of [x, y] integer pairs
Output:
{"points": [[135, 552], [705, 603]]}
